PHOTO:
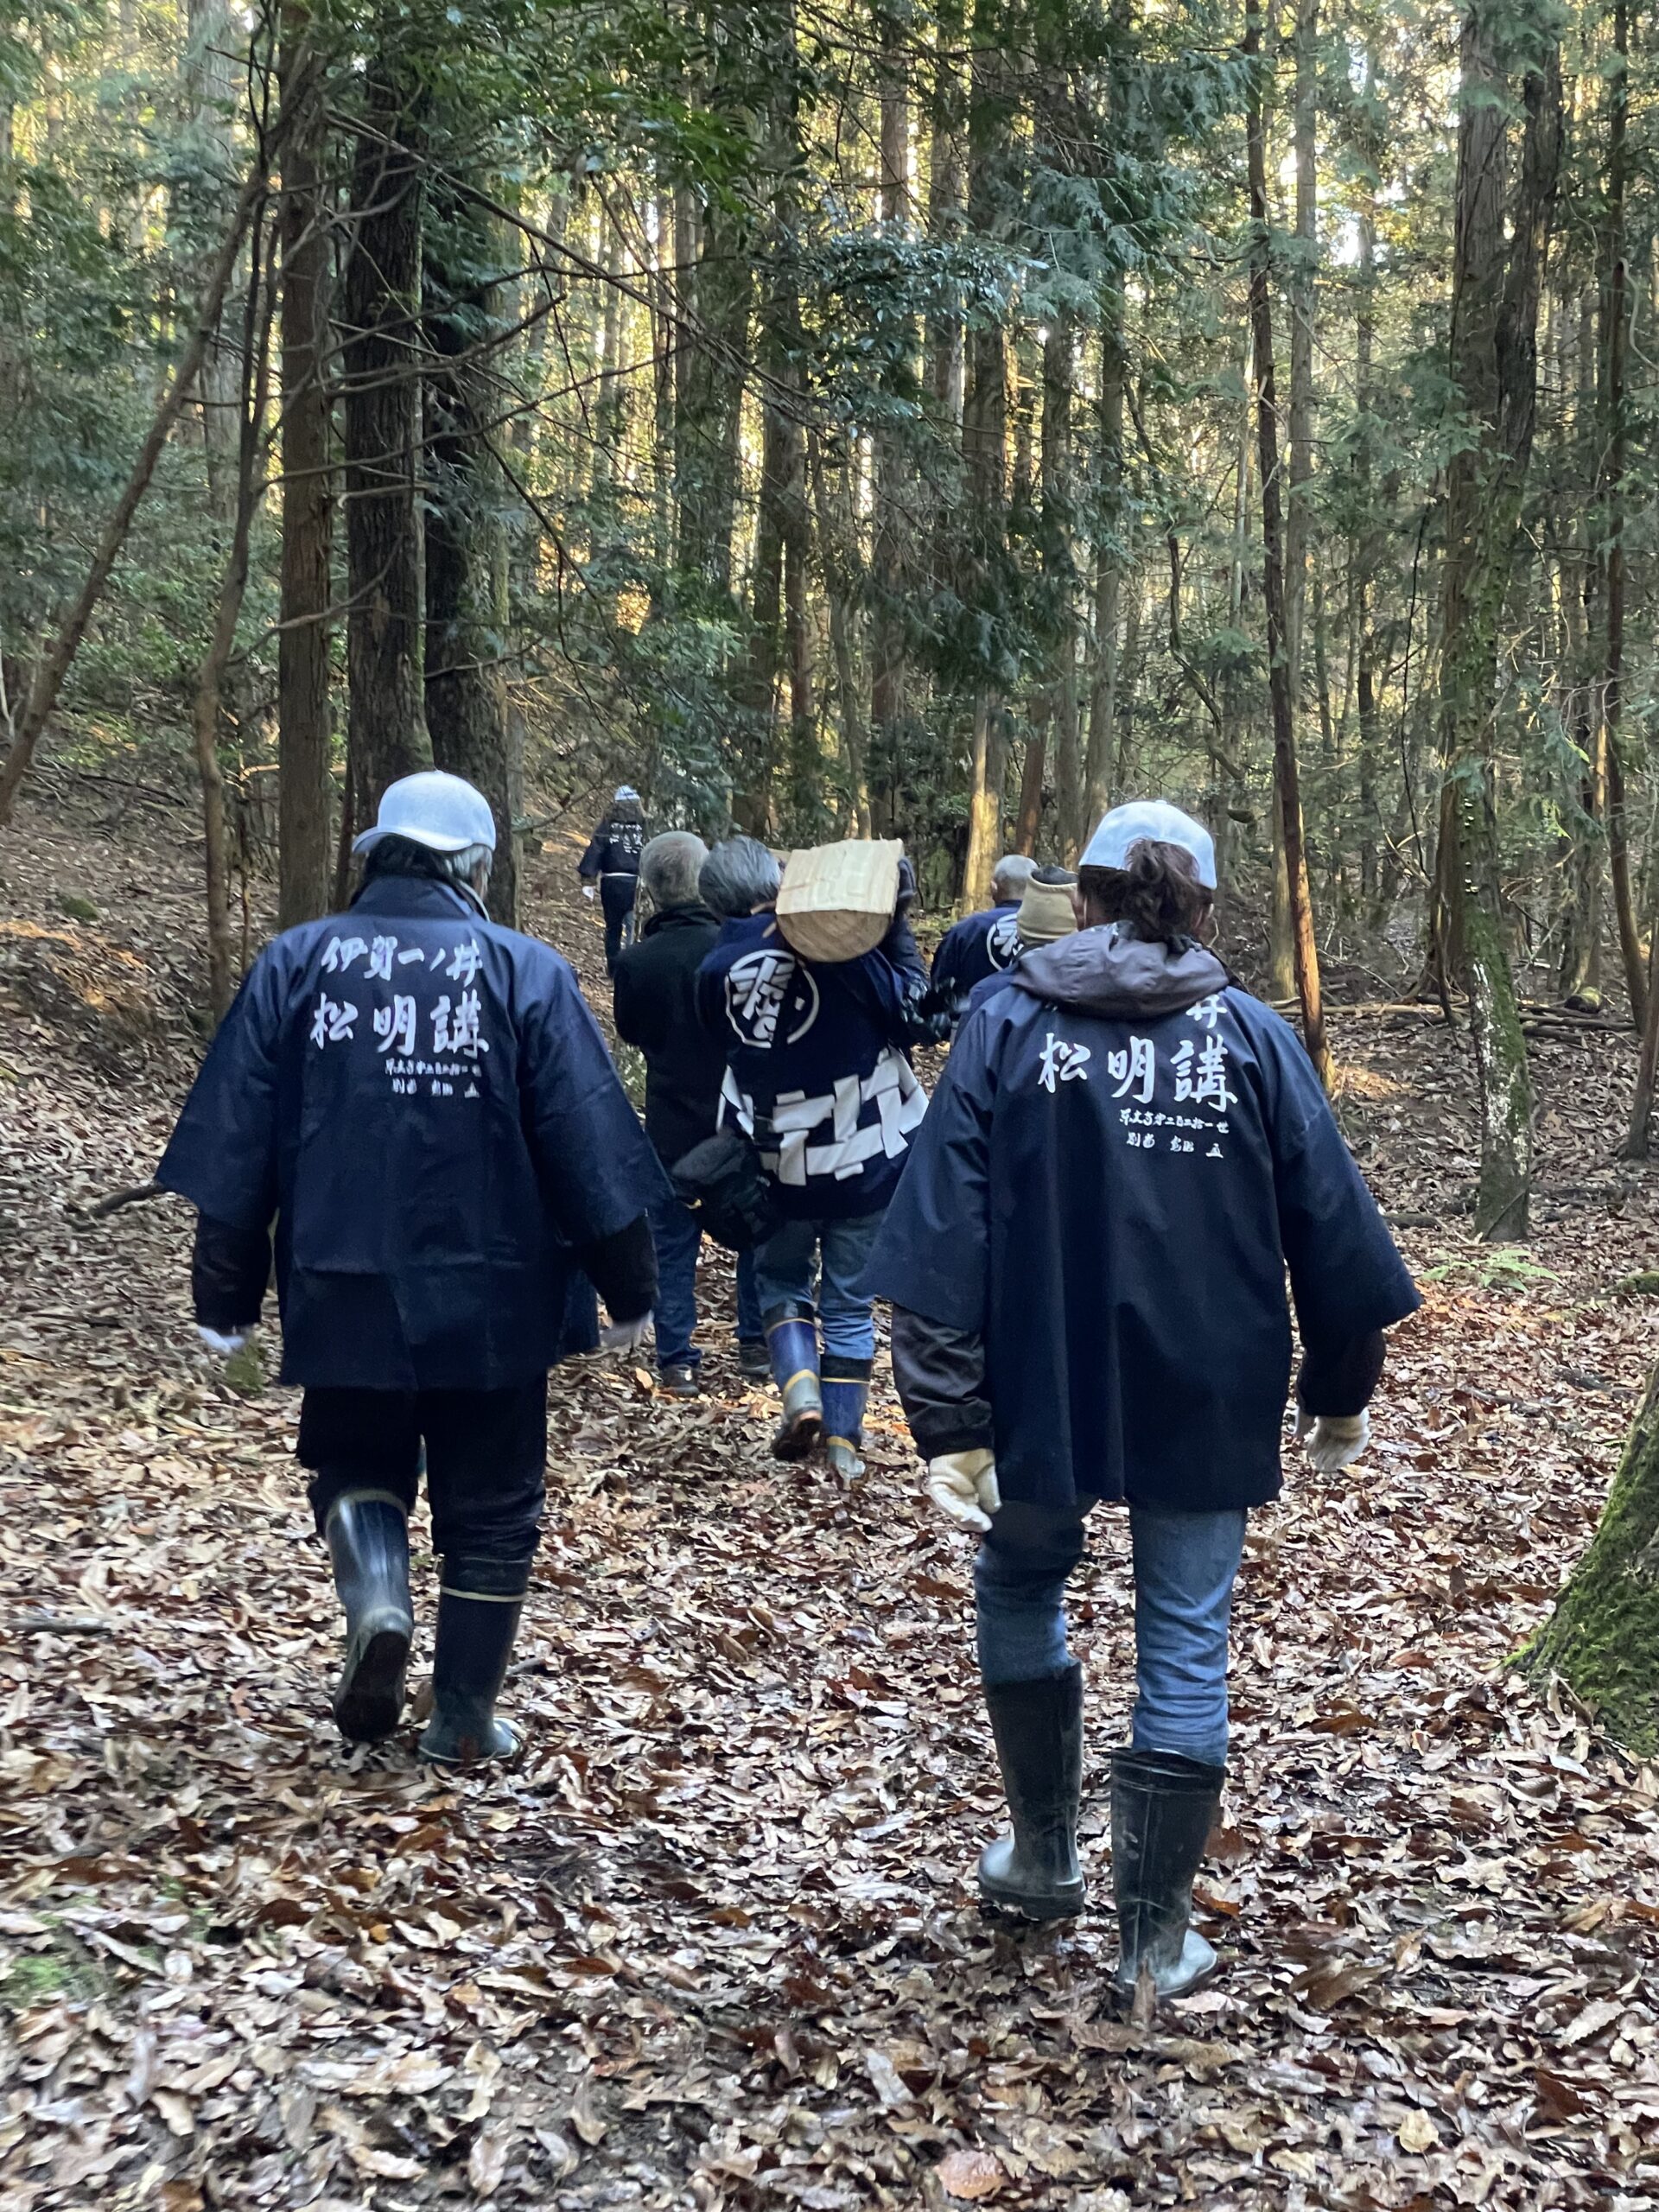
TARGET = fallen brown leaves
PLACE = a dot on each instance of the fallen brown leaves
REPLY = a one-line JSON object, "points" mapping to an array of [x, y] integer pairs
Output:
{"points": [[713, 1941]]}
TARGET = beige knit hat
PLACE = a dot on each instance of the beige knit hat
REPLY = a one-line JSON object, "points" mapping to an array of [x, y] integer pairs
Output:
{"points": [[1045, 910]]}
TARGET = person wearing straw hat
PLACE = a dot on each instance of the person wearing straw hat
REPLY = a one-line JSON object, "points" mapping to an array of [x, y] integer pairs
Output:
{"points": [[421, 1103], [1048, 912], [818, 1077], [1087, 1258]]}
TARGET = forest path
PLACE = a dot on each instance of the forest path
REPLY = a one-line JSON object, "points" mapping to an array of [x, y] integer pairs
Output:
{"points": [[714, 1941]]}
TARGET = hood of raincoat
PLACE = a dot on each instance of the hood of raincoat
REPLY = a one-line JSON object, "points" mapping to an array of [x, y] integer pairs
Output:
{"points": [[1106, 971]]}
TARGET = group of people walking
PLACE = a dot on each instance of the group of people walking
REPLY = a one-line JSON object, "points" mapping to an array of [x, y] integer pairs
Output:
{"points": [[1084, 1239]]}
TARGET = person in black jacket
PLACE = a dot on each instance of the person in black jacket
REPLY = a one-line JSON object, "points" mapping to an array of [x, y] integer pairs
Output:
{"points": [[655, 1007], [422, 1105], [1087, 1260], [610, 866]]}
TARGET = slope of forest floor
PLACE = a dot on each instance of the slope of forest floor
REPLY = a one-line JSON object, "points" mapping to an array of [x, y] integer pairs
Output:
{"points": [[714, 1941]]}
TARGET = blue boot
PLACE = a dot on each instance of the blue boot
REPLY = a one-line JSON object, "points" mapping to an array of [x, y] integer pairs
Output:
{"points": [[368, 1541], [846, 1391], [793, 1347], [479, 1603]]}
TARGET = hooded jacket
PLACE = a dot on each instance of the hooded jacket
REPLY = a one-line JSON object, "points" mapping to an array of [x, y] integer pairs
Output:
{"points": [[1087, 1254]]}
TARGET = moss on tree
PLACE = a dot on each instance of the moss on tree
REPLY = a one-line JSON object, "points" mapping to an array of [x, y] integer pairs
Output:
{"points": [[1603, 1638]]}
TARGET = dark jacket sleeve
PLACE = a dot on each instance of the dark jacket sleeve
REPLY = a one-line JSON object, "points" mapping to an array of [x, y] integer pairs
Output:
{"points": [[940, 1376], [594, 859], [633, 1004], [595, 1165], [623, 1270], [229, 1270], [1340, 1375]]}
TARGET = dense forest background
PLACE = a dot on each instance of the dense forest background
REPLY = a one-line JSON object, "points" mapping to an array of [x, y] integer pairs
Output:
{"points": [[927, 420]]}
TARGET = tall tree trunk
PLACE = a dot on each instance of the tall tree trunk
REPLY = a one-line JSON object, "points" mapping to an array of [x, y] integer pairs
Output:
{"points": [[466, 543], [1103, 778], [382, 322], [304, 736], [1287, 780], [1366, 555], [250, 491], [1615, 339], [1060, 577], [890, 484], [1497, 274], [1302, 296], [211, 87], [984, 451], [841, 591]]}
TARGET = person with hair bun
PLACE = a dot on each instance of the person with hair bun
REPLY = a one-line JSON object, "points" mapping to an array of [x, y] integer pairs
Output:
{"points": [[1087, 1260]]}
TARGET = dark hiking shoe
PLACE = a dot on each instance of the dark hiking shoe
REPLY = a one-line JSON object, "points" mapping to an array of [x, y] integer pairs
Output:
{"points": [[1163, 1808], [479, 1603], [1038, 1730], [368, 1541], [751, 1361], [680, 1381]]}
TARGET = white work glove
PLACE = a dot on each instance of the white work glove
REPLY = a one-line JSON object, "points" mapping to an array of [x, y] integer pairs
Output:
{"points": [[225, 1346], [963, 1485], [625, 1335], [1333, 1441], [590, 891]]}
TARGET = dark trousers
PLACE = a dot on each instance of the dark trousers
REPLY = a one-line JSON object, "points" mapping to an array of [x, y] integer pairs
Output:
{"points": [[486, 1459], [616, 896], [678, 1240]]}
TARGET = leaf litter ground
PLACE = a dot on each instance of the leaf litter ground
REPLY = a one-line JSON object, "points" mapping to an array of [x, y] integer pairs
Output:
{"points": [[713, 1941]]}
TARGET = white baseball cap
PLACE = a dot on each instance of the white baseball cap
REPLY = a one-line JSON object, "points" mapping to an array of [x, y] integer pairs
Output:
{"points": [[442, 812], [1151, 821]]}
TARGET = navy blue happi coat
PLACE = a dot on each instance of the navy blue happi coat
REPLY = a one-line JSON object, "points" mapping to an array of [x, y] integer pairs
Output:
{"points": [[816, 1069], [1124, 1159], [977, 946], [425, 1105]]}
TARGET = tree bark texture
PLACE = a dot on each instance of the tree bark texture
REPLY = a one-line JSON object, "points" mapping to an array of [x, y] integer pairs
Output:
{"points": [[1614, 411], [1497, 276], [466, 536], [1603, 1638], [304, 739], [1287, 780], [382, 333]]}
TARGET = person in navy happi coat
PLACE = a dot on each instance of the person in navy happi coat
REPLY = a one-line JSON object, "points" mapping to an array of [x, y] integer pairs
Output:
{"points": [[422, 1104], [984, 944], [610, 867], [818, 1075], [1087, 1258]]}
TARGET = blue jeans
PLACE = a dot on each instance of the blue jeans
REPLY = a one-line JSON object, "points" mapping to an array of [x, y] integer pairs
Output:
{"points": [[678, 1240], [1185, 1565], [829, 1256]]}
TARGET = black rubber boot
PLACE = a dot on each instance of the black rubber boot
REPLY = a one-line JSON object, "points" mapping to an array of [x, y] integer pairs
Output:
{"points": [[1163, 1808], [1038, 1730], [479, 1603], [368, 1541]]}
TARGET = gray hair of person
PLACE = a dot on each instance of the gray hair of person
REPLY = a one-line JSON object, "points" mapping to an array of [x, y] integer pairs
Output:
{"points": [[396, 856], [1011, 875], [669, 868], [738, 875]]}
